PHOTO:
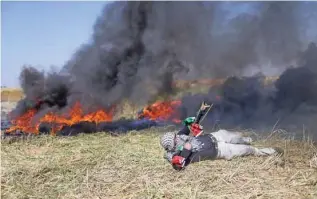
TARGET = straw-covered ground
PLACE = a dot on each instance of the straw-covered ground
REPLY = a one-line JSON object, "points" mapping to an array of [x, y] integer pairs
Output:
{"points": [[131, 166], [11, 94]]}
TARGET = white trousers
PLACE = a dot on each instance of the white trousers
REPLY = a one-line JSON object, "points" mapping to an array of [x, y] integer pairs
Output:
{"points": [[233, 144]]}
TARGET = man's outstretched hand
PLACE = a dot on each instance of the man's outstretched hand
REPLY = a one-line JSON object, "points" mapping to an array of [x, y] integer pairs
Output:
{"points": [[204, 106]]}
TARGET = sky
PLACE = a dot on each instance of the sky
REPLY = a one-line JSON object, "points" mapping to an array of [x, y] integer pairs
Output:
{"points": [[43, 34]]}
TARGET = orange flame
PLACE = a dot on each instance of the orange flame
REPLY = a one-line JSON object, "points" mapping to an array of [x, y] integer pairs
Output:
{"points": [[25, 124], [162, 111]]}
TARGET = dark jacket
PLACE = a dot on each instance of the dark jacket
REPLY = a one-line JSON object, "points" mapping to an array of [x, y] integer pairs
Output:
{"points": [[204, 147]]}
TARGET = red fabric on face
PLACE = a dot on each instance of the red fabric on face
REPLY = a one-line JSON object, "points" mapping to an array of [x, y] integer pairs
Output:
{"points": [[178, 160]]}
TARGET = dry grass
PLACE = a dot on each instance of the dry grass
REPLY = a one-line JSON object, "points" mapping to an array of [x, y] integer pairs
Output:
{"points": [[131, 166], [11, 94]]}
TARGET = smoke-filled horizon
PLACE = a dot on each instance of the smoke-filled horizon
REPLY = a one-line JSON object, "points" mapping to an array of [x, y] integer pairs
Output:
{"points": [[191, 39], [139, 48]]}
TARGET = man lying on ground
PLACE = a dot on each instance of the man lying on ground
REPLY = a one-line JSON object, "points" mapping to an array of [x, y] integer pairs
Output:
{"points": [[182, 148]]}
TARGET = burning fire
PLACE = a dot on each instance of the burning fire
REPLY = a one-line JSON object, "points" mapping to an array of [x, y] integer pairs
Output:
{"points": [[26, 124], [162, 111]]}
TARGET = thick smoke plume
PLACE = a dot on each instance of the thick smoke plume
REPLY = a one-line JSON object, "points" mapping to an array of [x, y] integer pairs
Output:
{"points": [[247, 102], [138, 49]]}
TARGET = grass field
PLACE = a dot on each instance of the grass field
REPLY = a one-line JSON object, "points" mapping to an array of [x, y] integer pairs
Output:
{"points": [[11, 94], [131, 166]]}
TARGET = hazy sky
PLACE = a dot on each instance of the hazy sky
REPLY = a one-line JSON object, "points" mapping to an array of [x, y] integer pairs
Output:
{"points": [[43, 34]]}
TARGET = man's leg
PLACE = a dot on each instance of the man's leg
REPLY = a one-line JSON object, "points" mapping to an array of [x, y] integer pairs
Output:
{"points": [[229, 151], [231, 137]]}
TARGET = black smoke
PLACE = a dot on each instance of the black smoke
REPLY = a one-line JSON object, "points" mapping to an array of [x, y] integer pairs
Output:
{"points": [[138, 49], [289, 103], [115, 127]]}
